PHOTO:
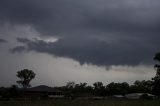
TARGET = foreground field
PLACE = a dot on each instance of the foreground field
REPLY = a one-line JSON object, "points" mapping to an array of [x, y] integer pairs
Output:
{"points": [[80, 103]]}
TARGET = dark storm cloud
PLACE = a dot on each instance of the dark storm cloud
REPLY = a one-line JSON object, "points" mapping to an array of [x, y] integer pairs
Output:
{"points": [[101, 32], [94, 52], [71, 17], [18, 49], [23, 40], [2, 40]]}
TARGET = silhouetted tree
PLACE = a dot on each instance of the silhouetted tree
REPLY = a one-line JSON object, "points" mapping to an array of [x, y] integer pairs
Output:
{"points": [[25, 77], [141, 86], [89, 89], [82, 89], [99, 89], [70, 85], [156, 79], [118, 88], [69, 89]]}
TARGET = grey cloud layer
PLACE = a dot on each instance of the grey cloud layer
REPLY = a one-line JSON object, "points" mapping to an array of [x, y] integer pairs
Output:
{"points": [[2, 40], [70, 17], [101, 32], [94, 52]]}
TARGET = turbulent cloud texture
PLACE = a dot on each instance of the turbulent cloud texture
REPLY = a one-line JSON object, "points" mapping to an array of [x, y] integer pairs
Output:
{"points": [[95, 52], [101, 32], [94, 32]]}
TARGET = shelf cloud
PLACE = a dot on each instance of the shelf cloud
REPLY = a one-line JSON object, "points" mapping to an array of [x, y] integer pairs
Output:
{"points": [[94, 32]]}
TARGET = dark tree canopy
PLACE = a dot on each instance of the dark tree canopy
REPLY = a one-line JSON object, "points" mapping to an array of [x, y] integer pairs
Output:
{"points": [[156, 79], [141, 86], [157, 66], [118, 88], [157, 56], [25, 77], [99, 89]]}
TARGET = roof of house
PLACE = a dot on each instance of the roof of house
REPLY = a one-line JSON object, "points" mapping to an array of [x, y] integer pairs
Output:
{"points": [[43, 88], [118, 96], [135, 94]]}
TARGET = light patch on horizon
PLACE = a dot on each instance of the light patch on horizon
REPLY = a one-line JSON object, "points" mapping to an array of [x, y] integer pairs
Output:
{"points": [[58, 71]]}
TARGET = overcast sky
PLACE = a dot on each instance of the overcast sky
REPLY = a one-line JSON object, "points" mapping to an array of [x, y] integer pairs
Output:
{"points": [[79, 40]]}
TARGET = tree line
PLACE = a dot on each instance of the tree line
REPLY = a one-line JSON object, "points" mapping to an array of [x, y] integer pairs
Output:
{"points": [[72, 89], [99, 89]]}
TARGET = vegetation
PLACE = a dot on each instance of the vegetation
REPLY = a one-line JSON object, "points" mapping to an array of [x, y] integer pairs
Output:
{"points": [[25, 76], [97, 89], [156, 79]]}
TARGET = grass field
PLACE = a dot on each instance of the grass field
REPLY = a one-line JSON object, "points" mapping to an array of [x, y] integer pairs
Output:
{"points": [[80, 103]]}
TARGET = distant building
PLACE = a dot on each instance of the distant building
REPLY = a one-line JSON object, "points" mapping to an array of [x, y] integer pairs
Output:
{"points": [[41, 91], [117, 97], [140, 96]]}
